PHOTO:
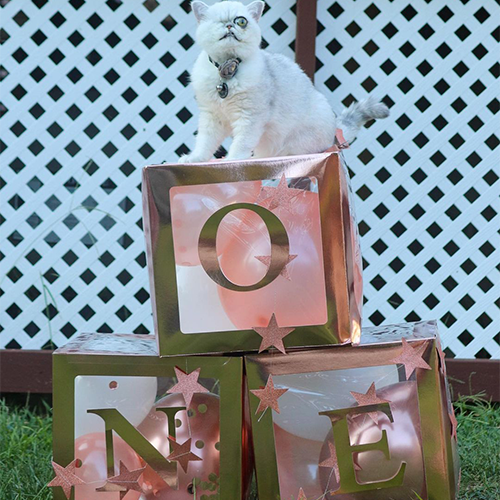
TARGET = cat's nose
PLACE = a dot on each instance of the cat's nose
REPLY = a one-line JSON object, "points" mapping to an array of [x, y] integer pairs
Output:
{"points": [[229, 26]]}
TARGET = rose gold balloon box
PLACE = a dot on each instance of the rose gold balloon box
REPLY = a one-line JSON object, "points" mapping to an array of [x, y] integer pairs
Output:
{"points": [[234, 246], [366, 422]]}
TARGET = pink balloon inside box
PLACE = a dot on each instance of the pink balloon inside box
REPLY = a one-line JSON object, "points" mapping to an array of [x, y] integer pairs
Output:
{"points": [[129, 424], [366, 422], [238, 248]]}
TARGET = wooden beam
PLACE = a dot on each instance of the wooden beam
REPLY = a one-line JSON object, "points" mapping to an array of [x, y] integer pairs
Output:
{"points": [[305, 38], [25, 371], [31, 371], [474, 376]]}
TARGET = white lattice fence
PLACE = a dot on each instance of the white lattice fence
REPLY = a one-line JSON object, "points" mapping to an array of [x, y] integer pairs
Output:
{"points": [[93, 91], [427, 178]]}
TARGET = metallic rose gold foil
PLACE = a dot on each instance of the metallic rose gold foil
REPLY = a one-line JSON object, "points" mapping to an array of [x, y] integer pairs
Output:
{"points": [[135, 356], [413, 429], [341, 258], [354, 264]]}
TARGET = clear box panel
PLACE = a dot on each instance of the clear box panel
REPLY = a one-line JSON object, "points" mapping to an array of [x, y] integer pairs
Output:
{"points": [[304, 439], [140, 400], [297, 296]]}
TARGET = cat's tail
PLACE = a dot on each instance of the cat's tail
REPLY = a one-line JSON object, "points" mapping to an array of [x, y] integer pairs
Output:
{"points": [[357, 114]]}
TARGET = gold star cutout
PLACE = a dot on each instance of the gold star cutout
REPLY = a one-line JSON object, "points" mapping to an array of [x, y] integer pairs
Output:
{"points": [[411, 358], [125, 481], [268, 396], [454, 424], [273, 335], [65, 477], [370, 398], [182, 453], [278, 197], [332, 462], [187, 384], [266, 260], [302, 495], [442, 361]]}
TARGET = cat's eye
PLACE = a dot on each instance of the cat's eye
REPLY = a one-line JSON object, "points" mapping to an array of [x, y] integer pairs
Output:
{"points": [[241, 21]]}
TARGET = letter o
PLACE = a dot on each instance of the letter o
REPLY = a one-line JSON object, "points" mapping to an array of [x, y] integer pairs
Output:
{"points": [[280, 247]]}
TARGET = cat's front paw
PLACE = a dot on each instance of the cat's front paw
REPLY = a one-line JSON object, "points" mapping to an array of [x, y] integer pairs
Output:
{"points": [[192, 158], [185, 159]]}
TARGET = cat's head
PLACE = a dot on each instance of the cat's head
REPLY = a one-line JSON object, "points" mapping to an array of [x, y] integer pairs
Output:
{"points": [[228, 29]]}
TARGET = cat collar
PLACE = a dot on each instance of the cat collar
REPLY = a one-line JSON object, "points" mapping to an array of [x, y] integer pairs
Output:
{"points": [[227, 70]]}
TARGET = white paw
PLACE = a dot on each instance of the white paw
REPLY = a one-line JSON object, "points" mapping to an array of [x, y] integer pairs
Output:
{"points": [[191, 158], [241, 155], [185, 159]]}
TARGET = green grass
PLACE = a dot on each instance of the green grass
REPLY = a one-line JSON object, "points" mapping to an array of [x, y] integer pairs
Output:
{"points": [[479, 446], [25, 453], [26, 441]]}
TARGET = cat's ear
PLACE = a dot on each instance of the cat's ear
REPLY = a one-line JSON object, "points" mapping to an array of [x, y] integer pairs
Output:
{"points": [[199, 10], [256, 9]]}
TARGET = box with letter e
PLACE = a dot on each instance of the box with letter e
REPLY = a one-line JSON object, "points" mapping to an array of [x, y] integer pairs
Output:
{"points": [[366, 422]]}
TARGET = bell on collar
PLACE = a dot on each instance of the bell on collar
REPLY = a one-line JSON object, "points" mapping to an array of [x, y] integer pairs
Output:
{"points": [[229, 68], [222, 90]]}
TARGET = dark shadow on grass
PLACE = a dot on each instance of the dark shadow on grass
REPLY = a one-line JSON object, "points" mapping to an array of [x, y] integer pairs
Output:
{"points": [[41, 404]]}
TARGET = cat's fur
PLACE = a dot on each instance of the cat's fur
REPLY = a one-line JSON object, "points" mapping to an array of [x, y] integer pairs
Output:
{"points": [[272, 108]]}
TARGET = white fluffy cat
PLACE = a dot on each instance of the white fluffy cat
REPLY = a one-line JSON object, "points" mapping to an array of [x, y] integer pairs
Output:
{"points": [[271, 107]]}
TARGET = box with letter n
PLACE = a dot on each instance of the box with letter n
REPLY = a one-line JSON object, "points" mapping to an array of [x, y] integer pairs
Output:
{"points": [[129, 424], [237, 249], [366, 422]]}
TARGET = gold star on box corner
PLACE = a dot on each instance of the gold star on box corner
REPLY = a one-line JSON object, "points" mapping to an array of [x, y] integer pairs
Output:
{"points": [[268, 396], [273, 335], [187, 385], [454, 424], [411, 358], [66, 477], [442, 360]]}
